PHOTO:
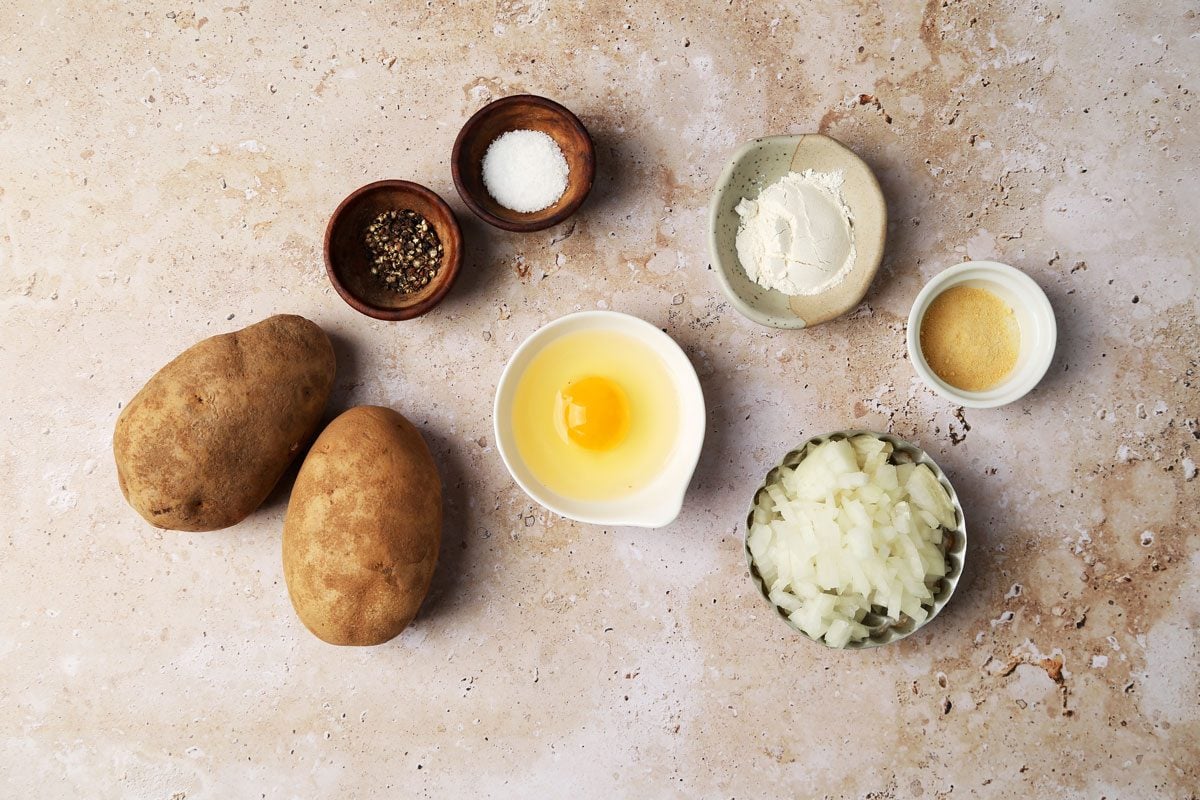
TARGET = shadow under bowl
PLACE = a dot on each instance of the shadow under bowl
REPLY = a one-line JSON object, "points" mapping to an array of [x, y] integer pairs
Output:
{"points": [[348, 261], [522, 112]]}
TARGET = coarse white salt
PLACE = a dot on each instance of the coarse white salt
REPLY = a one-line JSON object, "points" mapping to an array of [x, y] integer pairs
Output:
{"points": [[525, 171]]}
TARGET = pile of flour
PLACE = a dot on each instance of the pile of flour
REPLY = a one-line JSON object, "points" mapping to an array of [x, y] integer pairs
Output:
{"points": [[797, 237]]}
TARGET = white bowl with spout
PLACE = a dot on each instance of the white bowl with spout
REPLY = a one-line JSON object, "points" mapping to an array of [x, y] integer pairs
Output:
{"points": [[657, 504]]}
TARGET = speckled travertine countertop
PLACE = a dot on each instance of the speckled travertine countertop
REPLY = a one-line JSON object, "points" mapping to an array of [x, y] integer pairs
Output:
{"points": [[167, 172]]}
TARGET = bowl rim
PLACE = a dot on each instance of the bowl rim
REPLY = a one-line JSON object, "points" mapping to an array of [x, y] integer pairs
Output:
{"points": [[523, 226], [691, 442], [959, 545], [721, 265], [1017, 385], [446, 276]]}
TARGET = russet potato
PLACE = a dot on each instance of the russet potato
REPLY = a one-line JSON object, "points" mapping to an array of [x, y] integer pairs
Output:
{"points": [[363, 528], [206, 439]]}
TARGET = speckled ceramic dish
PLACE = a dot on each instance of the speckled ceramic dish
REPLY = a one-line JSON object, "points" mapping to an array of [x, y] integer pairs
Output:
{"points": [[756, 165], [955, 542]]}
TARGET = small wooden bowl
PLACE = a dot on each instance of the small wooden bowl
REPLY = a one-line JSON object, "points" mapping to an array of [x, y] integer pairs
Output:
{"points": [[522, 112], [347, 259]]}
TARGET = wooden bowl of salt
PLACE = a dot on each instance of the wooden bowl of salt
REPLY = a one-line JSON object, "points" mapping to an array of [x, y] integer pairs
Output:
{"points": [[523, 168]]}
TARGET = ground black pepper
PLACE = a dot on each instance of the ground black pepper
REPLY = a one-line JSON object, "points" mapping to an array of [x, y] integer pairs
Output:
{"points": [[404, 249]]}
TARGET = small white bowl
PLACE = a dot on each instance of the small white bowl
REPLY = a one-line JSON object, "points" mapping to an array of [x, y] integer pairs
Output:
{"points": [[1035, 318], [661, 501]]}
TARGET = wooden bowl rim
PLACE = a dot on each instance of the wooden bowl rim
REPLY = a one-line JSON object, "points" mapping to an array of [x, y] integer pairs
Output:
{"points": [[445, 276], [524, 225]]}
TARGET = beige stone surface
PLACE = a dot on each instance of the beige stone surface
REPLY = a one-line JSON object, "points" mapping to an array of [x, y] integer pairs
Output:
{"points": [[166, 172]]}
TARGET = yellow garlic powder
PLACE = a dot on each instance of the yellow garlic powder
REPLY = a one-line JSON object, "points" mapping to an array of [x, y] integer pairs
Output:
{"points": [[970, 338]]}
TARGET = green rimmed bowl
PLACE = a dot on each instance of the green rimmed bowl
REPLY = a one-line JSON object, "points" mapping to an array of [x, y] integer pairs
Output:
{"points": [[954, 542], [756, 165]]}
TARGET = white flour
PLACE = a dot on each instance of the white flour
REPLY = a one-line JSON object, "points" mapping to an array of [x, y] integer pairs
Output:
{"points": [[797, 237]]}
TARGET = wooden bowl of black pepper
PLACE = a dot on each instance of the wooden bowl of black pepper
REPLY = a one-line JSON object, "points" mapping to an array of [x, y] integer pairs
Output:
{"points": [[393, 249]]}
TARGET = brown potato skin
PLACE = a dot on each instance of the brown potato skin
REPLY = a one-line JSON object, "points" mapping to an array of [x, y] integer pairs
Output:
{"points": [[207, 438], [363, 528]]}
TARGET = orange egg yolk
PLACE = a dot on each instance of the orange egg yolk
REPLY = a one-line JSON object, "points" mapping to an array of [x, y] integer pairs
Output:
{"points": [[593, 413]]}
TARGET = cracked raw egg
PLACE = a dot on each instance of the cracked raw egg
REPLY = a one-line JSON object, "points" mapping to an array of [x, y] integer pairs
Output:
{"points": [[595, 416]]}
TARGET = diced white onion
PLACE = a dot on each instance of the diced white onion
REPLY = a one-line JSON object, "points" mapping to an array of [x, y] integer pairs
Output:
{"points": [[847, 532]]}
